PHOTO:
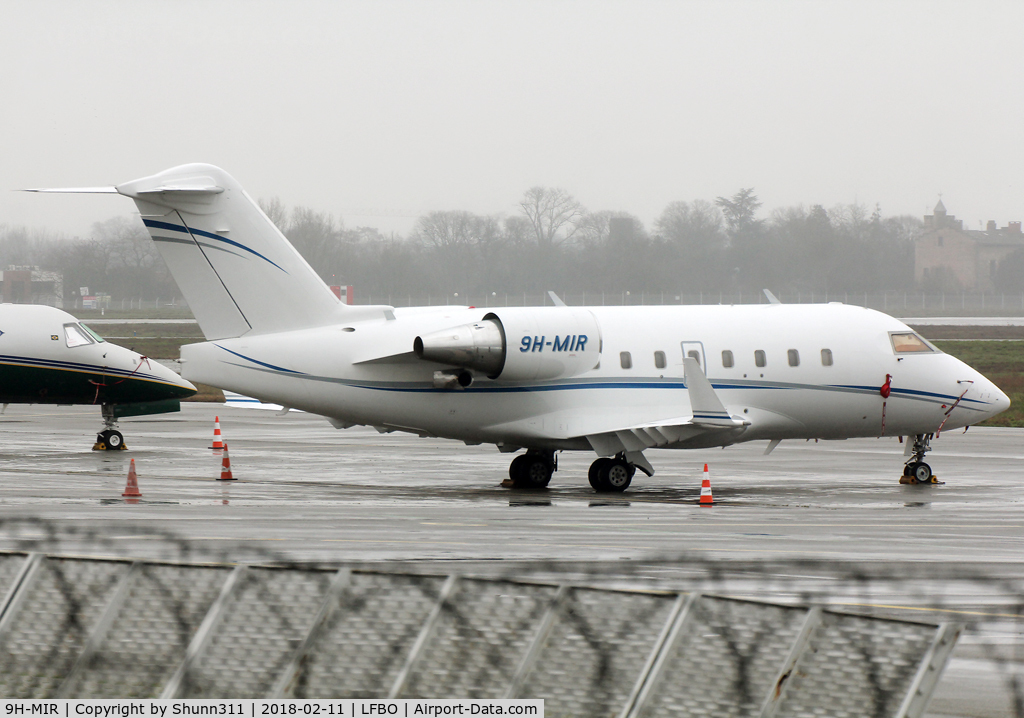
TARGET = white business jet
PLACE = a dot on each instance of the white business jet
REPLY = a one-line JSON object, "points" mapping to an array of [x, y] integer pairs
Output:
{"points": [[48, 357], [613, 380]]}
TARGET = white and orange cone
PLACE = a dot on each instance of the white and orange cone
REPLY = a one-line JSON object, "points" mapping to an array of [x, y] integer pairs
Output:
{"points": [[706, 499], [217, 443], [225, 467], [132, 488]]}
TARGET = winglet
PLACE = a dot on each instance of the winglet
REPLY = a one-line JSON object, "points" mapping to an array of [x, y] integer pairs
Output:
{"points": [[555, 299], [707, 408], [772, 299]]}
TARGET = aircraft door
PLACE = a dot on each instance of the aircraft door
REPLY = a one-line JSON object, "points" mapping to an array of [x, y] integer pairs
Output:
{"points": [[695, 350]]}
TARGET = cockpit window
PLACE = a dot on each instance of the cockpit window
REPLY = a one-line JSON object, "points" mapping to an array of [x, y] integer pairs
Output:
{"points": [[76, 336], [96, 337], [909, 343]]}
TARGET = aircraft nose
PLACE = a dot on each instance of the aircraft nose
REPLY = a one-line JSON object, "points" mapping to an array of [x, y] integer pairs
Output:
{"points": [[996, 400], [1002, 401], [175, 378]]}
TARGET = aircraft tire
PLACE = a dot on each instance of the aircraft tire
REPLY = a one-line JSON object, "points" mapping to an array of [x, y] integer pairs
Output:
{"points": [[113, 439], [533, 473], [594, 474], [515, 469], [617, 476], [922, 472]]}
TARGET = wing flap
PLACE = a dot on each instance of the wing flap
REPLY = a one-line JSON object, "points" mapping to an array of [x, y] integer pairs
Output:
{"points": [[709, 415]]}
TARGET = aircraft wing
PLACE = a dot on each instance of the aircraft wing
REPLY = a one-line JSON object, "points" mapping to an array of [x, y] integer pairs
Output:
{"points": [[709, 415]]}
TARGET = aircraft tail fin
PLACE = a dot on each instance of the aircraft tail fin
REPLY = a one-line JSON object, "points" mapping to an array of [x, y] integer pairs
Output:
{"points": [[238, 273]]}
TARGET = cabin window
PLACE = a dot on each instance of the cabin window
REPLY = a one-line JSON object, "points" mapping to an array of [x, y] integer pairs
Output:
{"points": [[909, 343], [727, 360], [75, 335], [625, 360], [794, 357], [695, 355], [759, 358], [659, 360], [826, 357]]}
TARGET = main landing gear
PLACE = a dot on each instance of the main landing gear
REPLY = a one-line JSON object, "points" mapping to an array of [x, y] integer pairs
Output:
{"points": [[608, 475], [110, 439], [533, 469], [916, 471]]}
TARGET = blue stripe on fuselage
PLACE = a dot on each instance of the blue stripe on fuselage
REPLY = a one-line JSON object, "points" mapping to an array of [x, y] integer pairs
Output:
{"points": [[419, 388]]}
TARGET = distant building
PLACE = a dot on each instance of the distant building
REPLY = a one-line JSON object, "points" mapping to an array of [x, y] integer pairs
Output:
{"points": [[30, 285], [947, 256]]}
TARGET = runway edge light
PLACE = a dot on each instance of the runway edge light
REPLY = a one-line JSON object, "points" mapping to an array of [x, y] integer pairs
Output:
{"points": [[706, 499]]}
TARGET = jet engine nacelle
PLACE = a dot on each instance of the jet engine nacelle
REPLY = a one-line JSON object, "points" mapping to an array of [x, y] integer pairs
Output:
{"points": [[519, 344]]}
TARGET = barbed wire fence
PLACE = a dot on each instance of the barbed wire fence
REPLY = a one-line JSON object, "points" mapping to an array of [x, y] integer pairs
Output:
{"points": [[84, 616]]}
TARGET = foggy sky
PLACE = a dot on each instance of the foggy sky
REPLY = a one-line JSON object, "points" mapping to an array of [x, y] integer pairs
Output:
{"points": [[398, 108]]}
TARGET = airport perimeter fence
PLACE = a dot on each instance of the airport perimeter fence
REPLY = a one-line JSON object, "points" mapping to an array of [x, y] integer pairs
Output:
{"points": [[897, 303], [663, 637]]}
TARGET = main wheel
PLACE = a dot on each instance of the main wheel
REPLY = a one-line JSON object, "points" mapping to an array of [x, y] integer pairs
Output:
{"points": [[114, 440], [618, 476], [537, 471], [923, 473], [598, 468], [516, 468]]}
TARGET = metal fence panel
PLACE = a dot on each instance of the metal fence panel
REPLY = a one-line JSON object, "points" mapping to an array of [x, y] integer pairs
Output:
{"points": [[726, 661], [10, 565], [856, 667], [481, 637], [158, 619], [364, 644], [595, 651], [46, 636], [94, 628], [266, 618]]}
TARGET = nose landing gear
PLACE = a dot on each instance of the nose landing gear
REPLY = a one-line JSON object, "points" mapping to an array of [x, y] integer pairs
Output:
{"points": [[916, 471], [110, 439]]}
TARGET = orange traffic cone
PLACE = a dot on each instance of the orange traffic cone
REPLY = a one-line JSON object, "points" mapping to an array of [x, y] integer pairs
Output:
{"points": [[705, 489], [225, 467], [217, 443], [132, 488]]}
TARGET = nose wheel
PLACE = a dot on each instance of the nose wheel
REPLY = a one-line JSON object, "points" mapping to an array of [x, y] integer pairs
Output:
{"points": [[916, 471], [110, 439]]}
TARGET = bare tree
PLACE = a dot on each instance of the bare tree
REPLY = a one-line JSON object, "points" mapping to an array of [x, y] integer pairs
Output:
{"points": [[274, 208], [317, 237], [554, 214], [447, 230]]}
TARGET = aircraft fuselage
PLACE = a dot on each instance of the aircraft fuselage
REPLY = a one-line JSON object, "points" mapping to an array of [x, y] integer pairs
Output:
{"points": [[823, 368]]}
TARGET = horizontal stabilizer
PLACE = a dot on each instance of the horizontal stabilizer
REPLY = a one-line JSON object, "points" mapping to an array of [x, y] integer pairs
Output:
{"points": [[75, 190], [240, 401]]}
